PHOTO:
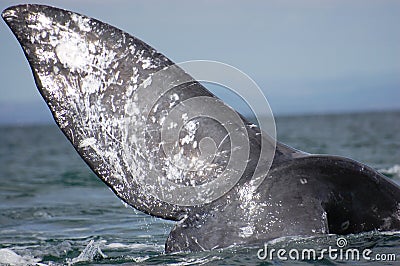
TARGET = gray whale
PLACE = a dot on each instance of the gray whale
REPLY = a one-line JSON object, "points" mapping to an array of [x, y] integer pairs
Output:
{"points": [[88, 72]]}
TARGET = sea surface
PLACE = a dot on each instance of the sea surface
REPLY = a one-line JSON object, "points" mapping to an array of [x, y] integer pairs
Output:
{"points": [[55, 211]]}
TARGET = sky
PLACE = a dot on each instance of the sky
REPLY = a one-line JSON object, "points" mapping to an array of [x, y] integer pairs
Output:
{"points": [[307, 56]]}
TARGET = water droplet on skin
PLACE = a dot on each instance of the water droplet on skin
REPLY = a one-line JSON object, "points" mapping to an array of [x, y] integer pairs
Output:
{"points": [[303, 181]]}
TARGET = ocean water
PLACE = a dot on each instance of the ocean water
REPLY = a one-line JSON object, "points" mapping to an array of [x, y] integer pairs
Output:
{"points": [[55, 211]]}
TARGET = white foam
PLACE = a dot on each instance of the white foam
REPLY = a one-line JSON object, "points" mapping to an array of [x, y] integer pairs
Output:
{"points": [[89, 253], [9, 257], [134, 246], [394, 170]]}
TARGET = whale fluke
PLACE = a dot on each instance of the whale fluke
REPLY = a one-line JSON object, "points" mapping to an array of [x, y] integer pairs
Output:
{"points": [[141, 123], [113, 97]]}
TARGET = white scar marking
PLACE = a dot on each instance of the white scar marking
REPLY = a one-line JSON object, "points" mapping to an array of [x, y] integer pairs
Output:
{"points": [[87, 142], [73, 53]]}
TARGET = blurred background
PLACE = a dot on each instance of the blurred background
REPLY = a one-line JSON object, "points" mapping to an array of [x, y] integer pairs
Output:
{"points": [[309, 57]]}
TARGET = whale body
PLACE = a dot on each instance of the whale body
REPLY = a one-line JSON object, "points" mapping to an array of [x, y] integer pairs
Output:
{"points": [[98, 82]]}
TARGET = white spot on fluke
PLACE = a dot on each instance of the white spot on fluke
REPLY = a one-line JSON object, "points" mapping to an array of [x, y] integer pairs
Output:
{"points": [[43, 20], [191, 128], [73, 53], [87, 142], [147, 82], [9, 13], [82, 22], [146, 63], [131, 109], [90, 84]]}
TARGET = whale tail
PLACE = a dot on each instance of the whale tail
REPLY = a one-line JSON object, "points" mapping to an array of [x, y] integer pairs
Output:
{"points": [[152, 133], [168, 147]]}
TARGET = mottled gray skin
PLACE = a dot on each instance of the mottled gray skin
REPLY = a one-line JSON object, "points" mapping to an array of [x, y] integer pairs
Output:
{"points": [[89, 74], [306, 196]]}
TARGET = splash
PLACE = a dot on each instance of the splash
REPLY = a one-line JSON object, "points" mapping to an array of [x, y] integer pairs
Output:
{"points": [[9, 257], [91, 252], [393, 171]]}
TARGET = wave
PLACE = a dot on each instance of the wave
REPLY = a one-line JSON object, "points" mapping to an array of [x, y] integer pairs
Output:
{"points": [[393, 171], [91, 251], [135, 246]]}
